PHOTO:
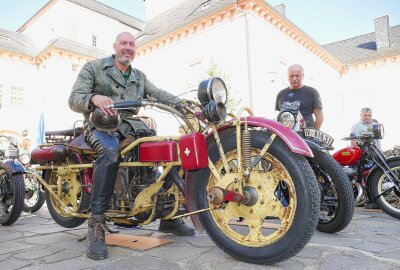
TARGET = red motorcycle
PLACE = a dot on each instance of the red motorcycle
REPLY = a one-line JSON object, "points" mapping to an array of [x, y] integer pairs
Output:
{"points": [[374, 177], [235, 167]]}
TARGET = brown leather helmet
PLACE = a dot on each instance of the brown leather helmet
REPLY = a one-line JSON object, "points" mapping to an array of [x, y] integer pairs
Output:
{"points": [[103, 121]]}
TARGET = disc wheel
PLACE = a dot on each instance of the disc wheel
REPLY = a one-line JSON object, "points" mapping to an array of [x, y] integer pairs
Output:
{"points": [[71, 194]]}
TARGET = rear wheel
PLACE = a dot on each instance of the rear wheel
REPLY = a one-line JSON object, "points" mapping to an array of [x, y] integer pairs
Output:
{"points": [[284, 201], [12, 192], [337, 197], [389, 201], [71, 194]]}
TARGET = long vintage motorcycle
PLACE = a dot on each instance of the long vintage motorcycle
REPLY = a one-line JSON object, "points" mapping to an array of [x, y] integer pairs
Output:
{"points": [[235, 167], [337, 200], [374, 177], [12, 189]]}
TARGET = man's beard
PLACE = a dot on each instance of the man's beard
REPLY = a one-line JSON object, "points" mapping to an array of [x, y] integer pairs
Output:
{"points": [[124, 60]]}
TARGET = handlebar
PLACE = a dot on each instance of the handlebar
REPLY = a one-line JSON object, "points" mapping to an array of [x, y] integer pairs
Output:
{"points": [[126, 104]]}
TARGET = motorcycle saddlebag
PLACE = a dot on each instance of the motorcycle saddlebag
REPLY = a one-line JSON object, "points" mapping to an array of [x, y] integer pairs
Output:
{"points": [[193, 150], [49, 153], [158, 151]]}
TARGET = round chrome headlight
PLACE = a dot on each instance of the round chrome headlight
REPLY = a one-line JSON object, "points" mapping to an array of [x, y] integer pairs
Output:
{"points": [[212, 89], [287, 119], [4, 142], [378, 130], [25, 159]]}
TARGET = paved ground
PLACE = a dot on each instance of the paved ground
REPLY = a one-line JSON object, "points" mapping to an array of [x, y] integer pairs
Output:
{"points": [[35, 241]]}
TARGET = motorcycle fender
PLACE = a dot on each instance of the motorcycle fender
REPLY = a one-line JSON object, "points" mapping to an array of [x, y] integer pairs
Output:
{"points": [[12, 166], [315, 146], [190, 199], [293, 140]]}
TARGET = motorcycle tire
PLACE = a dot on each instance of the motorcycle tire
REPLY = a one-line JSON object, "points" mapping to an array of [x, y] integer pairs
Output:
{"points": [[337, 196], [55, 209], [286, 195], [34, 194], [378, 183], [13, 191]]}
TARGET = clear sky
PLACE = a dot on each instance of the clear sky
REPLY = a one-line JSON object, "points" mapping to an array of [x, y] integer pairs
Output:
{"points": [[325, 21]]}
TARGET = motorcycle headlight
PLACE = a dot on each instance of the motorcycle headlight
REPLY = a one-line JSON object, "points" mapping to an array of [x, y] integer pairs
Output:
{"points": [[25, 159], [287, 119], [212, 89], [378, 130], [214, 111], [4, 142]]}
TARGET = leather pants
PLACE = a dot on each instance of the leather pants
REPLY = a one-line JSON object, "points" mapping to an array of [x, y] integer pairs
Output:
{"points": [[105, 169]]}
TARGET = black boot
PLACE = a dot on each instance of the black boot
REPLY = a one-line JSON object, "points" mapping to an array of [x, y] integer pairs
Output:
{"points": [[95, 241], [176, 226]]}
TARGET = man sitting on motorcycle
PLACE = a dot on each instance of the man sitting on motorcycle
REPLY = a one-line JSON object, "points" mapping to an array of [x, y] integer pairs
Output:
{"points": [[301, 97], [100, 83]]}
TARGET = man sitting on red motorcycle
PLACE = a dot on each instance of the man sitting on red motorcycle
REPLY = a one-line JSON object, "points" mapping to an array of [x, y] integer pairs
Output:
{"points": [[100, 83]]}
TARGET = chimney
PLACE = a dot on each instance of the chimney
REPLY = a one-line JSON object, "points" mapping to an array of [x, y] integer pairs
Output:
{"points": [[382, 32], [281, 9]]}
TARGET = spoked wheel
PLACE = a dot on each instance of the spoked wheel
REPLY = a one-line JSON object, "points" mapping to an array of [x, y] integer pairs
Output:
{"points": [[389, 201], [71, 193], [282, 209], [34, 195], [337, 197], [12, 194]]}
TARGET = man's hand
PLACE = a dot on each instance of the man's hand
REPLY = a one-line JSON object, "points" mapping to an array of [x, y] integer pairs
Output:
{"points": [[102, 102]]}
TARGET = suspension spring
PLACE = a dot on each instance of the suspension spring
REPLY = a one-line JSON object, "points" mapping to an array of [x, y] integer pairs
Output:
{"points": [[246, 147]]}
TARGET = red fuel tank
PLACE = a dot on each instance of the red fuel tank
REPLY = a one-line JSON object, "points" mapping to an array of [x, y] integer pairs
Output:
{"points": [[347, 156], [158, 151], [49, 153]]}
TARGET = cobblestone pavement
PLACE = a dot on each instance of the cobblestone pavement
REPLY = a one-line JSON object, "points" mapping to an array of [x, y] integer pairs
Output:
{"points": [[35, 241]]}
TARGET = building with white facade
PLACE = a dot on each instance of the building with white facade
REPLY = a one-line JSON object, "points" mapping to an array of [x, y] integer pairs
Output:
{"points": [[250, 43]]}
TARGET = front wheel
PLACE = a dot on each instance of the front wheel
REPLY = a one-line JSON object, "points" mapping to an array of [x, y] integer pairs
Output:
{"points": [[34, 194], [283, 207], [379, 184], [12, 192], [337, 197]]}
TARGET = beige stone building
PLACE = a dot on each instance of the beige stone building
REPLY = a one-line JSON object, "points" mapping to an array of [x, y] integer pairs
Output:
{"points": [[249, 42]]}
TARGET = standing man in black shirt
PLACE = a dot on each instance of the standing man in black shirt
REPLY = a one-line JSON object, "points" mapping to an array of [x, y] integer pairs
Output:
{"points": [[301, 97]]}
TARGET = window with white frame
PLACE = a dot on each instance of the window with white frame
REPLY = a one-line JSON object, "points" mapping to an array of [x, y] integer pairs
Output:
{"points": [[94, 41], [17, 96]]}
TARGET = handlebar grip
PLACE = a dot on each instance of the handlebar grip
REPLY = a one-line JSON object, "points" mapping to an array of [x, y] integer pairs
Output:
{"points": [[349, 138], [127, 104]]}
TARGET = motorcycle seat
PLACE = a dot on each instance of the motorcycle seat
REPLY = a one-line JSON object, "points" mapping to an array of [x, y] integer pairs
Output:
{"points": [[80, 143]]}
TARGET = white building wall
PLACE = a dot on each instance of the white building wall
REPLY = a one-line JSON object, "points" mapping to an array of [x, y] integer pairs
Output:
{"points": [[23, 75], [376, 88], [181, 66], [70, 21], [271, 54]]}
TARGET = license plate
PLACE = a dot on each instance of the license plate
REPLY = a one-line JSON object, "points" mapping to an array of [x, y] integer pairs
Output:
{"points": [[317, 134]]}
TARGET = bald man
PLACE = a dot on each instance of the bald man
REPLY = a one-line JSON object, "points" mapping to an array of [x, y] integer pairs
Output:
{"points": [[301, 97], [101, 83]]}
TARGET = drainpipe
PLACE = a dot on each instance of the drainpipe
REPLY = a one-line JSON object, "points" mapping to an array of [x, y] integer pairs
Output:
{"points": [[248, 56]]}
